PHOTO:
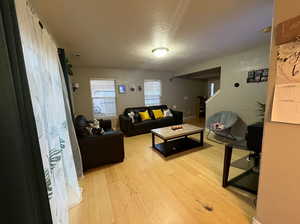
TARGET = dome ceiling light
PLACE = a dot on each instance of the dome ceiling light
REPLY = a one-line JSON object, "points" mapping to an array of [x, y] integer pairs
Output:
{"points": [[160, 52]]}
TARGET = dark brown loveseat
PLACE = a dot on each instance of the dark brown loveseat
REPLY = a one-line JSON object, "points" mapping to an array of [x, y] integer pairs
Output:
{"points": [[141, 127], [98, 149]]}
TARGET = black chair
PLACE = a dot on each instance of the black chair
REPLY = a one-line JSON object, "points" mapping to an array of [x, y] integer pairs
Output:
{"points": [[98, 149]]}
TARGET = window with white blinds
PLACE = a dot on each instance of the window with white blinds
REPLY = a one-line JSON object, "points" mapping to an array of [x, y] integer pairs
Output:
{"points": [[152, 92], [104, 98]]}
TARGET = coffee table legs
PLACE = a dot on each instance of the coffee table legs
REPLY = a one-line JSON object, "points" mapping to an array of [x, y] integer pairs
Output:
{"points": [[153, 140], [201, 138], [226, 165]]}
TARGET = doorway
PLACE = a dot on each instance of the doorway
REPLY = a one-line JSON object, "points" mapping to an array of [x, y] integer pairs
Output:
{"points": [[210, 79]]}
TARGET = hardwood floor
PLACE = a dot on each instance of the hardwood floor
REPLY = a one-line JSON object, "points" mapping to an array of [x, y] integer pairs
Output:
{"points": [[146, 188]]}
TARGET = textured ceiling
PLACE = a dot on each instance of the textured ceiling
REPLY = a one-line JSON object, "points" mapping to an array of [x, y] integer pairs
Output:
{"points": [[121, 34]]}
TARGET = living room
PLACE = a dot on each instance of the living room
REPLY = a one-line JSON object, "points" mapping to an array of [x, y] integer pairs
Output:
{"points": [[150, 111]]}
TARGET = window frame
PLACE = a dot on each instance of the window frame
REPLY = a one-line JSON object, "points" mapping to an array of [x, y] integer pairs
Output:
{"points": [[212, 89], [92, 98], [160, 96]]}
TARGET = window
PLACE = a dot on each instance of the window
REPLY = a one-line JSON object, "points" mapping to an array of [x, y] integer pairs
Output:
{"points": [[212, 89], [152, 92], [104, 98]]}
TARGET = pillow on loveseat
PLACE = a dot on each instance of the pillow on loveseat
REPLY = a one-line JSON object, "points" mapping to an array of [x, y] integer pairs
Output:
{"points": [[94, 131]]}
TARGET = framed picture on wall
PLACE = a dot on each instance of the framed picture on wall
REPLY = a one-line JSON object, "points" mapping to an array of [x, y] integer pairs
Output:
{"points": [[251, 76], [122, 89], [260, 75], [264, 76]]}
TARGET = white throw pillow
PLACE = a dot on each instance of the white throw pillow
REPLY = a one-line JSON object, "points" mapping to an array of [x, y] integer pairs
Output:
{"points": [[168, 113], [131, 116], [95, 124]]}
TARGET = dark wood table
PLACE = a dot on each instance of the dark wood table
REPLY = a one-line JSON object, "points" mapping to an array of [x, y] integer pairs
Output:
{"points": [[247, 181], [175, 141]]}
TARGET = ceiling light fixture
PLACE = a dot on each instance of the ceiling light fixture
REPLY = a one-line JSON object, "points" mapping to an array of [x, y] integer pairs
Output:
{"points": [[160, 51]]}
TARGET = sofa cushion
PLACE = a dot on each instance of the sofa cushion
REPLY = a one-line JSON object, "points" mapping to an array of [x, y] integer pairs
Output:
{"points": [[148, 124], [166, 121], [152, 124]]}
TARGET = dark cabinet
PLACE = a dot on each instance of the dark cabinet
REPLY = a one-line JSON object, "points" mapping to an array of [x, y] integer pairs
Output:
{"points": [[202, 108]]}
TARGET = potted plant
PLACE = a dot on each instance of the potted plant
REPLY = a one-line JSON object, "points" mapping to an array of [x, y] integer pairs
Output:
{"points": [[261, 111]]}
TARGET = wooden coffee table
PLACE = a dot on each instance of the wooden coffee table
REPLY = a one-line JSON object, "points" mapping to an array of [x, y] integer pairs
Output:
{"points": [[176, 141]]}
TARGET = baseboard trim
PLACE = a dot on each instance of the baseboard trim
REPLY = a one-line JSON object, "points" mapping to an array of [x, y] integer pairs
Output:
{"points": [[255, 221]]}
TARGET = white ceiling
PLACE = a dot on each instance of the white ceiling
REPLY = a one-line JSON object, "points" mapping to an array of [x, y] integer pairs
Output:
{"points": [[122, 33]]}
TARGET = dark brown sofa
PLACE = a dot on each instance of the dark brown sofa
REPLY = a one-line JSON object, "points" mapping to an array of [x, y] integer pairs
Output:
{"points": [[142, 127], [101, 149]]}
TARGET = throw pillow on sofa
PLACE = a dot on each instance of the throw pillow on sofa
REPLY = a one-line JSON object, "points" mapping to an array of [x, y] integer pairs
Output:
{"points": [[158, 114], [94, 131], [145, 115], [137, 117], [97, 131], [134, 117], [131, 116], [168, 113]]}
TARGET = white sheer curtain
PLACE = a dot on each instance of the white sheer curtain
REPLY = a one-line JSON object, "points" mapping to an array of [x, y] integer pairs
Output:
{"points": [[46, 89], [72, 134]]}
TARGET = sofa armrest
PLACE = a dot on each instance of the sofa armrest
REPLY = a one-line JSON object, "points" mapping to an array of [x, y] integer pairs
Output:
{"points": [[112, 134], [178, 116], [125, 123], [109, 135]]}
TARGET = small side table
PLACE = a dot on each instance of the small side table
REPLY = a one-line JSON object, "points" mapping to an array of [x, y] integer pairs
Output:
{"points": [[247, 181]]}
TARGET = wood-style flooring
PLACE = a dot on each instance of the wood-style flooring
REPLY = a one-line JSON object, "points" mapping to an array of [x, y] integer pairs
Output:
{"points": [[149, 189]]}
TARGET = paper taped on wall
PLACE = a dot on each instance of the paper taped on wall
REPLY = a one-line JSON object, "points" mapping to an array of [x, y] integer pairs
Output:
{"points": [[286, 102]]}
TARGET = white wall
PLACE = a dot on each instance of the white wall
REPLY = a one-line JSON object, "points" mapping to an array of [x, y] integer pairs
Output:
{"points": [[234, 68], [173, 92]]}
